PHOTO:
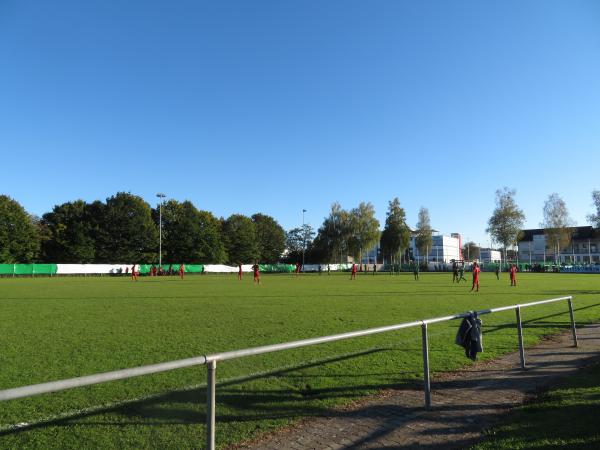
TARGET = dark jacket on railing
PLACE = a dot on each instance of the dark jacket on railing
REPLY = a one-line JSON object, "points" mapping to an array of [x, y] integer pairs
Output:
{"points": [[469, 336]]}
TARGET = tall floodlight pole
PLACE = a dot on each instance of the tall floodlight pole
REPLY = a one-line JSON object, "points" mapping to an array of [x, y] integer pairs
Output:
{"points": [[161, 196], [303, 239]]}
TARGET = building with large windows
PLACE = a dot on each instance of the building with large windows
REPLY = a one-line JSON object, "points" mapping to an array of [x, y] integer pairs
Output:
{"points": [[489, 255], [583, 247], [444, 249]]}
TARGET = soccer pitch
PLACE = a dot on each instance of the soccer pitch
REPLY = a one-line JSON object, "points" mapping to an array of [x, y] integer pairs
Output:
{"points": [[56, 328]]}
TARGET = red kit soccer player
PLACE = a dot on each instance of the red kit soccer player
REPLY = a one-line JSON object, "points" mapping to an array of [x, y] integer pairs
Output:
{"points": [[256, 270], [353, 274], [240, 272], [513, 275], [476, 271], [181, 271]]}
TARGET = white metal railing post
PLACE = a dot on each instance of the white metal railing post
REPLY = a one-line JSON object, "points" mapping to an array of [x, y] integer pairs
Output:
{"points": [[573, 329], [211, 404], [426, 381], [520, 333]]}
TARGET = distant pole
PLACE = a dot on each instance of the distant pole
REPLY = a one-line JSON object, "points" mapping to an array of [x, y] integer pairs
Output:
{"points": [[468, 248], [303, 239], [161, 196]]}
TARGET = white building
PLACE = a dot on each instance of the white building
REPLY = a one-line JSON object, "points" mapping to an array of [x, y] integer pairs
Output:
{"points": [[583, 247], [490, 255], [444, 249], [372, 256]]}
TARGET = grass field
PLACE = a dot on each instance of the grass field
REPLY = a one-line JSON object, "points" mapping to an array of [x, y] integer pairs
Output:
{"points": [[564, 417], [55, 328]]}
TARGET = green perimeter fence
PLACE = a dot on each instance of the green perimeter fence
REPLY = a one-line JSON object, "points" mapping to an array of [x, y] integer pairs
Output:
{"points": [[28, 269]]}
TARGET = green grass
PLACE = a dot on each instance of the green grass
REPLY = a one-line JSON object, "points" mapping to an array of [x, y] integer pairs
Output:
{"points": [[55, 328], [564, 417]]}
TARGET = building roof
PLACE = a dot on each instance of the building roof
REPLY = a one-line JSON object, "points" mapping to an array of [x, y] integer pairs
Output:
{"points": [[587, 232]]}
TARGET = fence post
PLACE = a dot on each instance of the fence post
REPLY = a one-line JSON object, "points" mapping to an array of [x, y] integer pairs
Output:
{"points": [[520, 333], [210, 405], [575, 343], [426, 381]]}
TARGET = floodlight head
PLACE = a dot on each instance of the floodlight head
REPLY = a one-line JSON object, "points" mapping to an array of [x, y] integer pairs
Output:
{"points": [[160, 195]]}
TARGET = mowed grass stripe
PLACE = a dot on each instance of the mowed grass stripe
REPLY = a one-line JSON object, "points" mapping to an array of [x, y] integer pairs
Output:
{"points": [[65, 327]]}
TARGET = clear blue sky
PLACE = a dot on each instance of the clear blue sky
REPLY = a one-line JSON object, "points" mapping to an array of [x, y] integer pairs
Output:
{"points": [[276, 106]]}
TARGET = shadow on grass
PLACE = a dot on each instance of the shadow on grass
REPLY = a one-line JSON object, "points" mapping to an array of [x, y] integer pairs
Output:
{"points": [[540, 321], [252, 405], [464, 417], [152, 408]]}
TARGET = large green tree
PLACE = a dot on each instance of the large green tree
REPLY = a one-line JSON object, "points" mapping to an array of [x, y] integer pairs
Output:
{"points": [[471, 251], [332, 239], [72, 233], [297, 241], [239, 236], [594, 218], [364, 229], [423, 238], [270, 238], [556, 224], [507, 219], [190, 235], [129, 235], [396, 233], [19, 238]]}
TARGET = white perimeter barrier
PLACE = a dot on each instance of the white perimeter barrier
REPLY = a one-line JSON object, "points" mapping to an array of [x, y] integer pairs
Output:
{"points": [[91, 269], [333, 267], [109, 269], [113, 269], [222, 268]]}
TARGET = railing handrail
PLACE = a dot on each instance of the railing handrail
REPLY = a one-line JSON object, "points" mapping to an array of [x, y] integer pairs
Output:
{"points": [[88, 380], [61, 385]]}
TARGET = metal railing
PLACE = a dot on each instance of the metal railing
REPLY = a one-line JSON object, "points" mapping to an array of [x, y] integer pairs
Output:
{"points": [[211, 360]]}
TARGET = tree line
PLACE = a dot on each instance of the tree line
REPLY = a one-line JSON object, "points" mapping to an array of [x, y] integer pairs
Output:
{"points": [[125, 228]]}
